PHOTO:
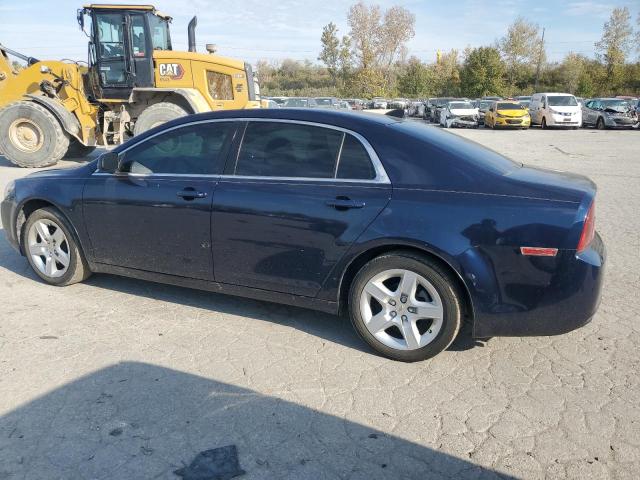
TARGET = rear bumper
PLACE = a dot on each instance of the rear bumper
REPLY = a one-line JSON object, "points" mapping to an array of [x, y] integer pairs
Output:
{"points": [[566, 300]]}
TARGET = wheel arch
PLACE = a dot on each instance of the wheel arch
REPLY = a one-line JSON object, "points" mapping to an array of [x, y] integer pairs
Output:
{"points": [[30, 205], [188, 98], [369, 254], [68, 121]]}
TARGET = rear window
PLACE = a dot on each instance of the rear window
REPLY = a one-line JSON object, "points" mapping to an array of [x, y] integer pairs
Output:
{"points": [[354, 161], [467, 149]]}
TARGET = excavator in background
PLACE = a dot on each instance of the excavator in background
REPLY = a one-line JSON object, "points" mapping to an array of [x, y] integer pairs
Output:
{"points": [[133, 81]]}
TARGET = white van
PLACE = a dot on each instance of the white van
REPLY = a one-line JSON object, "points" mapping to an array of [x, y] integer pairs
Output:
{"points": [[555, 110]]}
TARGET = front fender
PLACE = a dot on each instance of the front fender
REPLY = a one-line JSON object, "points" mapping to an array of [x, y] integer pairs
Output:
{"points": [[68, 121]]}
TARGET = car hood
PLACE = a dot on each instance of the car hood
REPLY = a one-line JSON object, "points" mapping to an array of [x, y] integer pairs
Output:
{"points": [[565, 109], [464, 111], [514, 113], [64, 172]]}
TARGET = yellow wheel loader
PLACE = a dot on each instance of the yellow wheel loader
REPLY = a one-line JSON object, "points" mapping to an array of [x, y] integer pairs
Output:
{"points": [[132, 82]]}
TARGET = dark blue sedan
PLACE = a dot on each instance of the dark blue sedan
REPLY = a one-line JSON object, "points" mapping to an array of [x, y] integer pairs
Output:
{"points": [[409, 229]]}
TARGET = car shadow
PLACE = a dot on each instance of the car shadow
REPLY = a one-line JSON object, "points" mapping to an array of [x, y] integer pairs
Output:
{"points": [[336, 329], [136, 420]]}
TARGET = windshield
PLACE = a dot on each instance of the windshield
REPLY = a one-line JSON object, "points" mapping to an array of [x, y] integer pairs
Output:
{"points": [[616, 104], [484, 105], [460, 105], [525, 103], [160, 37], [296, 102], [562, 101], [510, 106], [324, 101]]}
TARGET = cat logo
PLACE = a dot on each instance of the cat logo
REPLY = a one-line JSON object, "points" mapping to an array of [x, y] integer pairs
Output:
{"points": [[171, 70]]}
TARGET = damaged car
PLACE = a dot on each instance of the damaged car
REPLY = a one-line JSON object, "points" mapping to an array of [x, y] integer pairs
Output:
{"points": [[608, 113], [459, 114]]}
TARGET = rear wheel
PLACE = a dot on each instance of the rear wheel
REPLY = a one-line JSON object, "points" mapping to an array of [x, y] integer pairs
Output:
{"points": [[51, 249], [30, 136], [405, 307], [157, 115]]}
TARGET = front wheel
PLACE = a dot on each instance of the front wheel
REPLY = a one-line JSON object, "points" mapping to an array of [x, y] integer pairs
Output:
{"points": [[544, 123], [600, 125], [30, 136], [405, 307], [51, 249]]}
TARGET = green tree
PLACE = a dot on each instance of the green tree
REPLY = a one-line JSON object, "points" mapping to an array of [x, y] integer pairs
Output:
{"points": [[446, 74], [521, 49], [482, 73], [330, 53], [613, 48], [416, 80]]}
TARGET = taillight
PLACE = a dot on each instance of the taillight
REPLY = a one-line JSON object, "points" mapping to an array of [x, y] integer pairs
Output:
{"points": [[588, 229]]}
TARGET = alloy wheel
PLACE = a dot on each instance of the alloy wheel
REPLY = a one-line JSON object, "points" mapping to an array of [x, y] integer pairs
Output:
{"points": [[48, 248], [401, 309]]}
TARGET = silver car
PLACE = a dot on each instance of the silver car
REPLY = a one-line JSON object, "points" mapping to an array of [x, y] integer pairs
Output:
{"points": [[608, 113]]}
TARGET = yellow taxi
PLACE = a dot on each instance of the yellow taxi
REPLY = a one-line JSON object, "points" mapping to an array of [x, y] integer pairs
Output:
{"points": [[507, 114]]}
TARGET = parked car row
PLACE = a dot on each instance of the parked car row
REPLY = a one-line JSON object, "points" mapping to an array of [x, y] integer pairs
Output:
{"points": [[332, 103], [547, 110]]}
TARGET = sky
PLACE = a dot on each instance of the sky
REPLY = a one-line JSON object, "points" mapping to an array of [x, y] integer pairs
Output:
{"points": [[273, 30]]}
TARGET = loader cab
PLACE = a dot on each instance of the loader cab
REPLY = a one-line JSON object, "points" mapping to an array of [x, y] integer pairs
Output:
{"points": [[122, 41]]}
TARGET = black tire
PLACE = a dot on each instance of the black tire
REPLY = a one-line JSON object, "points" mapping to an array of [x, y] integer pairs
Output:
{"points": [[600, 124], [442, 281], [53, 140], [78, 269], [157, 115], [544, 123], [78, 150]]}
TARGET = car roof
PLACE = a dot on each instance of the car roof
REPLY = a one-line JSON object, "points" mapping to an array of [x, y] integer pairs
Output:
{"points": [[347, 119]]}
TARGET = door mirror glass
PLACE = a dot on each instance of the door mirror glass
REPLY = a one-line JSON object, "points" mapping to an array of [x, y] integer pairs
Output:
{"points": [[108, 162]]}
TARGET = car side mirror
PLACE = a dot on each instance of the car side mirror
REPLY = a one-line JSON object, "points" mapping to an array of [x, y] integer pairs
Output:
{"points": [[109, 162]]}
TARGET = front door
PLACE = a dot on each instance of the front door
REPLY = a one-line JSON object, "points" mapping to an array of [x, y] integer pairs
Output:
{"points": [[110, 67], [292, 204], [155, 215]]}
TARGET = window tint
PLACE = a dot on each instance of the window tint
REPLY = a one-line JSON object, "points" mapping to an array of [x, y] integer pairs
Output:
{"points": [[110, 37], [354, 161], [194, 149], [288, 150], [220, 87], [138, 38]]}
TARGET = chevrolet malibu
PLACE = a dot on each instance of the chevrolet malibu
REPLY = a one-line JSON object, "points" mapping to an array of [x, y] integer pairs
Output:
{"points": [[408, 229]]}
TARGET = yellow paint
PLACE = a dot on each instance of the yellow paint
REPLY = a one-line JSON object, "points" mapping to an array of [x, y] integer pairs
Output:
{"points": [[492, 119]]}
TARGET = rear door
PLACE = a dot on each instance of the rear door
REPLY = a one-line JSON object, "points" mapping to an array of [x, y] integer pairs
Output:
{"points": [[292, 201], [156, 216]]}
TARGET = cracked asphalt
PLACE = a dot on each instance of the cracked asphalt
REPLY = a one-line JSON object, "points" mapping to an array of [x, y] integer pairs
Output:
{"points": [[119, 378]]}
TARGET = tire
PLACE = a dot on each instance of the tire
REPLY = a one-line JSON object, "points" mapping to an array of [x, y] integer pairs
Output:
{"points": [[30, 136], [544, 123], [445, 297], [77, 268], [78, 150], [157, 115], [600, 124]]}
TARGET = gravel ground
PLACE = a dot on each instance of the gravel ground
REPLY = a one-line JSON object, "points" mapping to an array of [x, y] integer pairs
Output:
{"points": [[118, 378]]}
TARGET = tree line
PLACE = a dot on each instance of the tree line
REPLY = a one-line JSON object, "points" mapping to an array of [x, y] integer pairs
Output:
{"points": [[372, 60]]}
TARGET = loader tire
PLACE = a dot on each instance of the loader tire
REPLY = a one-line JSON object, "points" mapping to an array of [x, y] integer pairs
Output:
{"points": [[78, 150], [157, 114], [30, 136]]}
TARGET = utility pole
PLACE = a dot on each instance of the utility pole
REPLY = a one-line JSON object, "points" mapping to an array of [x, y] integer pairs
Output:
{"points": [[539, 60]]}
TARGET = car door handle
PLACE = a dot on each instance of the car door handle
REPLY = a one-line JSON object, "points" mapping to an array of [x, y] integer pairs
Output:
{"points": [[190, 193], [344, 203]]}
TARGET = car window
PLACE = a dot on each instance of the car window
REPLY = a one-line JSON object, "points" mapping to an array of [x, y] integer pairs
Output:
{"points": [[280, 149], [354, 162], [190, 150]]}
